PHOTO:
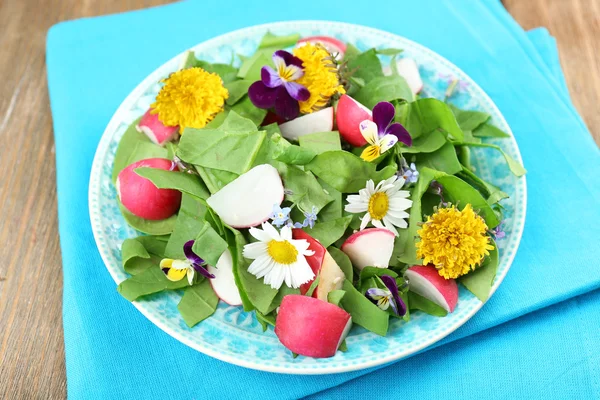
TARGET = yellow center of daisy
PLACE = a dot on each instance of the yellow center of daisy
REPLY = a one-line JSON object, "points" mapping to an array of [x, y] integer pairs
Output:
{"points": [[282, 252], [379, 204], [190, 98], [320, 77], [454, 241]]}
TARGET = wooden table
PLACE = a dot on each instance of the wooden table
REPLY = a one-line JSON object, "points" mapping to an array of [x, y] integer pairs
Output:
{"points": [[32, 361]]}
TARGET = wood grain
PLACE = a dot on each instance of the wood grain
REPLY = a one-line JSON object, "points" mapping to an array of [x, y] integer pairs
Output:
{"points": [[31, 338]]}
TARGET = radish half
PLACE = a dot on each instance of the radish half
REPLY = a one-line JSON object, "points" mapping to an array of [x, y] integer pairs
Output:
{"points": [[408, 69], [311, 327], [370, 248], [224, 283], [331, 277], [141, 197], [319, 121], [315, 261], [348, 116], [156, 131], [249, 199], [427, 282]]}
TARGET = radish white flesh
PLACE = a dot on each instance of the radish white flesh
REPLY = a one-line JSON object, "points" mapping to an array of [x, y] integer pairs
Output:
{"points": [[320, 121], [370, 248], [408, 69], [224, 283], [248, 200], [331, 277], [427, 282], [156, 131], [311, 327]]}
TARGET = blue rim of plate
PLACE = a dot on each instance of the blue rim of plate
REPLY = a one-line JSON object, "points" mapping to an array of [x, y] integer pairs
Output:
{"points": [[261, 351]]}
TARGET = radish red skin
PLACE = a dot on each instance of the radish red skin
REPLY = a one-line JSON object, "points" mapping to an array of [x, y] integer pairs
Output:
{"points": [[446, 287], [371, 247], [349, 114], [330, 43], [311, 327], [156, 131], [315, 261], [141, 197]]}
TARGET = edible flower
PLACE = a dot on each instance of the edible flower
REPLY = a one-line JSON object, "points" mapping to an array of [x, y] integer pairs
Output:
{"points": [[321, 76], [309, 219], [278, 258], [278, 87], [381, 133], [498, 232], [438, 190], [176, 270], [190, 98], [280, 216], [385, 298], [409, 173], [385, 204], [454, 241]]}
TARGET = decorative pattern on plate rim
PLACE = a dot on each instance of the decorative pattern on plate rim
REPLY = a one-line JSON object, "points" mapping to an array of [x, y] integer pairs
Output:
{"points": [[231, 334]]}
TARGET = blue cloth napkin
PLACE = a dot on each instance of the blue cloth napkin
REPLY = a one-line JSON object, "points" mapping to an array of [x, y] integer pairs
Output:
{"points": [[112, 351]]}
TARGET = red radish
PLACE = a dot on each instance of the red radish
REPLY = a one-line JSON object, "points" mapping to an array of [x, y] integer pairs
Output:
{"points": [[348, 116], [151, 126], [316, 260], [370, 248], [311, 327], [248, 200], [408, 69], [333, 45], [427, 282], [319, 121], [331, 277], [224, 283], [141, 197]]}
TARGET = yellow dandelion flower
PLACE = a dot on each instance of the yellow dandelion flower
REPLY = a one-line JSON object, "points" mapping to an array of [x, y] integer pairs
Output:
{"points": [[190, 98], [320, 77], [454, 241]]}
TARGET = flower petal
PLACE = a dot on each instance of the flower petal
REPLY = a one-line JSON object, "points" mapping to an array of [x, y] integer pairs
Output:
{"points": [[270, 77], [383, 115], [279, 59], [370, 153], [262, 96], [203, 271], [297, 91], [285, 106], [399, 308], [389, 225], [190, 276], [387, 142], [189, 253], [369, 131], [365, 221], [375, 294], [271, 231], [400, 132], [288, 58], [254, 250]]}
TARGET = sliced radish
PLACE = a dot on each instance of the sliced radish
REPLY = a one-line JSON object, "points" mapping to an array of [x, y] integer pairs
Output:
{"points": [[311, 327], [408, 69], [316, 260], [427, 282], [141, 197], [331, 277], [272, 118], [248, 200], [156, 131], [348, 116], [370, 248], [224, 283], [319, 121], [333, 45]]}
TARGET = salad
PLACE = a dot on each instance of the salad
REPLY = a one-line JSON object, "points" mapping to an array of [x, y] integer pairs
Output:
{"points": [[312, 184]]}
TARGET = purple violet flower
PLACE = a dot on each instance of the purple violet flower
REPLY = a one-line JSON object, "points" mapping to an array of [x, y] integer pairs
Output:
{"points": [[384, 299], [309, 219], [277, 87], [498, 232]]}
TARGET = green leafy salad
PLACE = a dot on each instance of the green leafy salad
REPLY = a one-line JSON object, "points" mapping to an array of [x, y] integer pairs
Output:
{"points": [[309, 184]]}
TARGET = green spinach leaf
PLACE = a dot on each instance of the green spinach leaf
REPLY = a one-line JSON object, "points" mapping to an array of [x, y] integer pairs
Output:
{"points": [[321, 142], [363, 312], [330, 231], [197, 303], [480, 281], [384, 88], [342, 261], [151, 280]]}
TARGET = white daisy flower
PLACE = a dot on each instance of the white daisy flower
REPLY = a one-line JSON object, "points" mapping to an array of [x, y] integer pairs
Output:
{"points": [[385, 204], [278, 258]]}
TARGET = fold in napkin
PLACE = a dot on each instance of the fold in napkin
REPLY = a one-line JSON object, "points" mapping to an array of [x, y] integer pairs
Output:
{"points": [[112, 351]]}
